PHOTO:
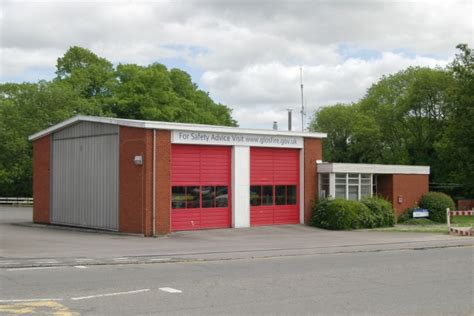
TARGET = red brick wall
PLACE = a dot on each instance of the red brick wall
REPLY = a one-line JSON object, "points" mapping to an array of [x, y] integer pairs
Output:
{"points": [[465, 204], [135, 187], [41, 179], [410, 187], [312, 152], [385, 186], [163, 181]]}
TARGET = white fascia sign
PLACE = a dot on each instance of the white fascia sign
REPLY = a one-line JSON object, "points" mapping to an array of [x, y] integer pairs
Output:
{"points": [[235, 139]]}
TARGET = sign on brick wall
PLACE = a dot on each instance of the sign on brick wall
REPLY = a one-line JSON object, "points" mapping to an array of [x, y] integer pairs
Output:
{"points": [[231, 139]]}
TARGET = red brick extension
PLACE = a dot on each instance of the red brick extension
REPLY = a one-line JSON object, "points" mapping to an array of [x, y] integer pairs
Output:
{"points": [[136, 186], [41, 179], [163, 181], [312, 152], [410, 187], [135, 189]]}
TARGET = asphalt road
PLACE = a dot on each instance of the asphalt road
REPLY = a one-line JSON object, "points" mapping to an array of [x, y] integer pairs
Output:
{"points": [[399, 282]]}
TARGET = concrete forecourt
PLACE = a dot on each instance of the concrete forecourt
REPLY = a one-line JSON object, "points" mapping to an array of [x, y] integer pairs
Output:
{"points": [[289, 269]]}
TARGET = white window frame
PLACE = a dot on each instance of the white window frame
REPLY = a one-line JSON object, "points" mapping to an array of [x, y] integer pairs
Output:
{"points": [[332, 184]]}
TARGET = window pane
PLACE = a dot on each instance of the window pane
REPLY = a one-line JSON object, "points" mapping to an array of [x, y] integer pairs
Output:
{"points": [[324, 190], [192, 197], [374, 184], [291, 194], [178, 197], [341, 191], [267, 195], [340, 178], [353, 193], [325, 178], [365, 190], [354, 178], [208, 196], [222, 196], [255, 195], [280, 194]]}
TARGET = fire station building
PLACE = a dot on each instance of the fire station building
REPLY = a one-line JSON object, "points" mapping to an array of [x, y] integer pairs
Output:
{"points": [[151, 178]]}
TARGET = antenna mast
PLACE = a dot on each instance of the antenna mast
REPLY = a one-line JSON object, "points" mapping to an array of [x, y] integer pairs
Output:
{"points": [[302, 102]]}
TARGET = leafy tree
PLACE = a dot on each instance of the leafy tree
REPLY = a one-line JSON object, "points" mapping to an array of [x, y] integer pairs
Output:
{"points": [[25, 109], [352, 135], [153, 92], [88, 84], [410, 107], [88, 74], [418, 116], [143, 92], [456, 147]]}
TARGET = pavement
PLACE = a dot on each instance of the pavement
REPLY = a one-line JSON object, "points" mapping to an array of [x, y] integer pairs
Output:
{"points": [[24, 244]]}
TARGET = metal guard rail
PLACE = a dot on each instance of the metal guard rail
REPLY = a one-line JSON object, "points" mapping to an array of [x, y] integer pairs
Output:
{"points": [[16, 200]]}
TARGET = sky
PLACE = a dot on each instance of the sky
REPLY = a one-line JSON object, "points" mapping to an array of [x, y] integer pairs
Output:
{"points": [[246, 54]]}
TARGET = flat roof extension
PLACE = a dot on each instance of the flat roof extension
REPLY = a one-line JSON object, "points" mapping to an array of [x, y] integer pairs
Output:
{"points": [[330, 167]]}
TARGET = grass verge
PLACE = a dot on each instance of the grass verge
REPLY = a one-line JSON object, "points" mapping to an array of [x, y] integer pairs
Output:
{"points": [[436, 229], [424, 226]]}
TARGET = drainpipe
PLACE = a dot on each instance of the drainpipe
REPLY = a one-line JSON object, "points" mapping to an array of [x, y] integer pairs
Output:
{"points": [[154, 183]]}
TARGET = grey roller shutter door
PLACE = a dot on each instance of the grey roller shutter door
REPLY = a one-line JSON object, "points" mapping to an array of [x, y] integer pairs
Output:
{"points": [[85, 175]]}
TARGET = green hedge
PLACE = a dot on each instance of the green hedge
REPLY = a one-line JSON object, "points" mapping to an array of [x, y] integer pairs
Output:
{"points": [[419, 222], [406, 215], [381, 210], [340, 214], [437, 203]]}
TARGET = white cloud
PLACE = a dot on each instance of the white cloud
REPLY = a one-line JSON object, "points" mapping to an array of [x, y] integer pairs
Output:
{"points": [[263, 93], [248, 51], [16, 62]]}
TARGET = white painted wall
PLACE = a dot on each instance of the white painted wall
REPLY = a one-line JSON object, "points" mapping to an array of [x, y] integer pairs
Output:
{"points": [[332, 184], [327, 167], [240, 186]]}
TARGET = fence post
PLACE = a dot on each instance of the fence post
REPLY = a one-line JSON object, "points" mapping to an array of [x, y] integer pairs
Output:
{"points": [[448, 218]]}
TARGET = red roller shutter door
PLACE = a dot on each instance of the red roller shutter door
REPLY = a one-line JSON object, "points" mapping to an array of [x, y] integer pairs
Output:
{"points": [[204, 172], [277, 169]]}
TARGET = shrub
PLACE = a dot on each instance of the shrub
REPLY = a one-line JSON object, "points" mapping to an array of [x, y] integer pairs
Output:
{"points": [[406, 215], [340, 214], [364, 217], [436, 203], [419, 221], [381, 210]]}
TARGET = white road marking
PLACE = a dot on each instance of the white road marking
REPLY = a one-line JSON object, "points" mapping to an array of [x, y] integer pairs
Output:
{"points": [[108, 294], [84, 259], [32, 300], [47, 261], [80, 267], [121, 258], [9, 262], [170, 290], [159, 259], [32, 268]]}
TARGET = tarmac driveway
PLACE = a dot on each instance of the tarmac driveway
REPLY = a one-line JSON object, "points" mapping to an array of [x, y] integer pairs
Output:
{"points": [[24, 244]]}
